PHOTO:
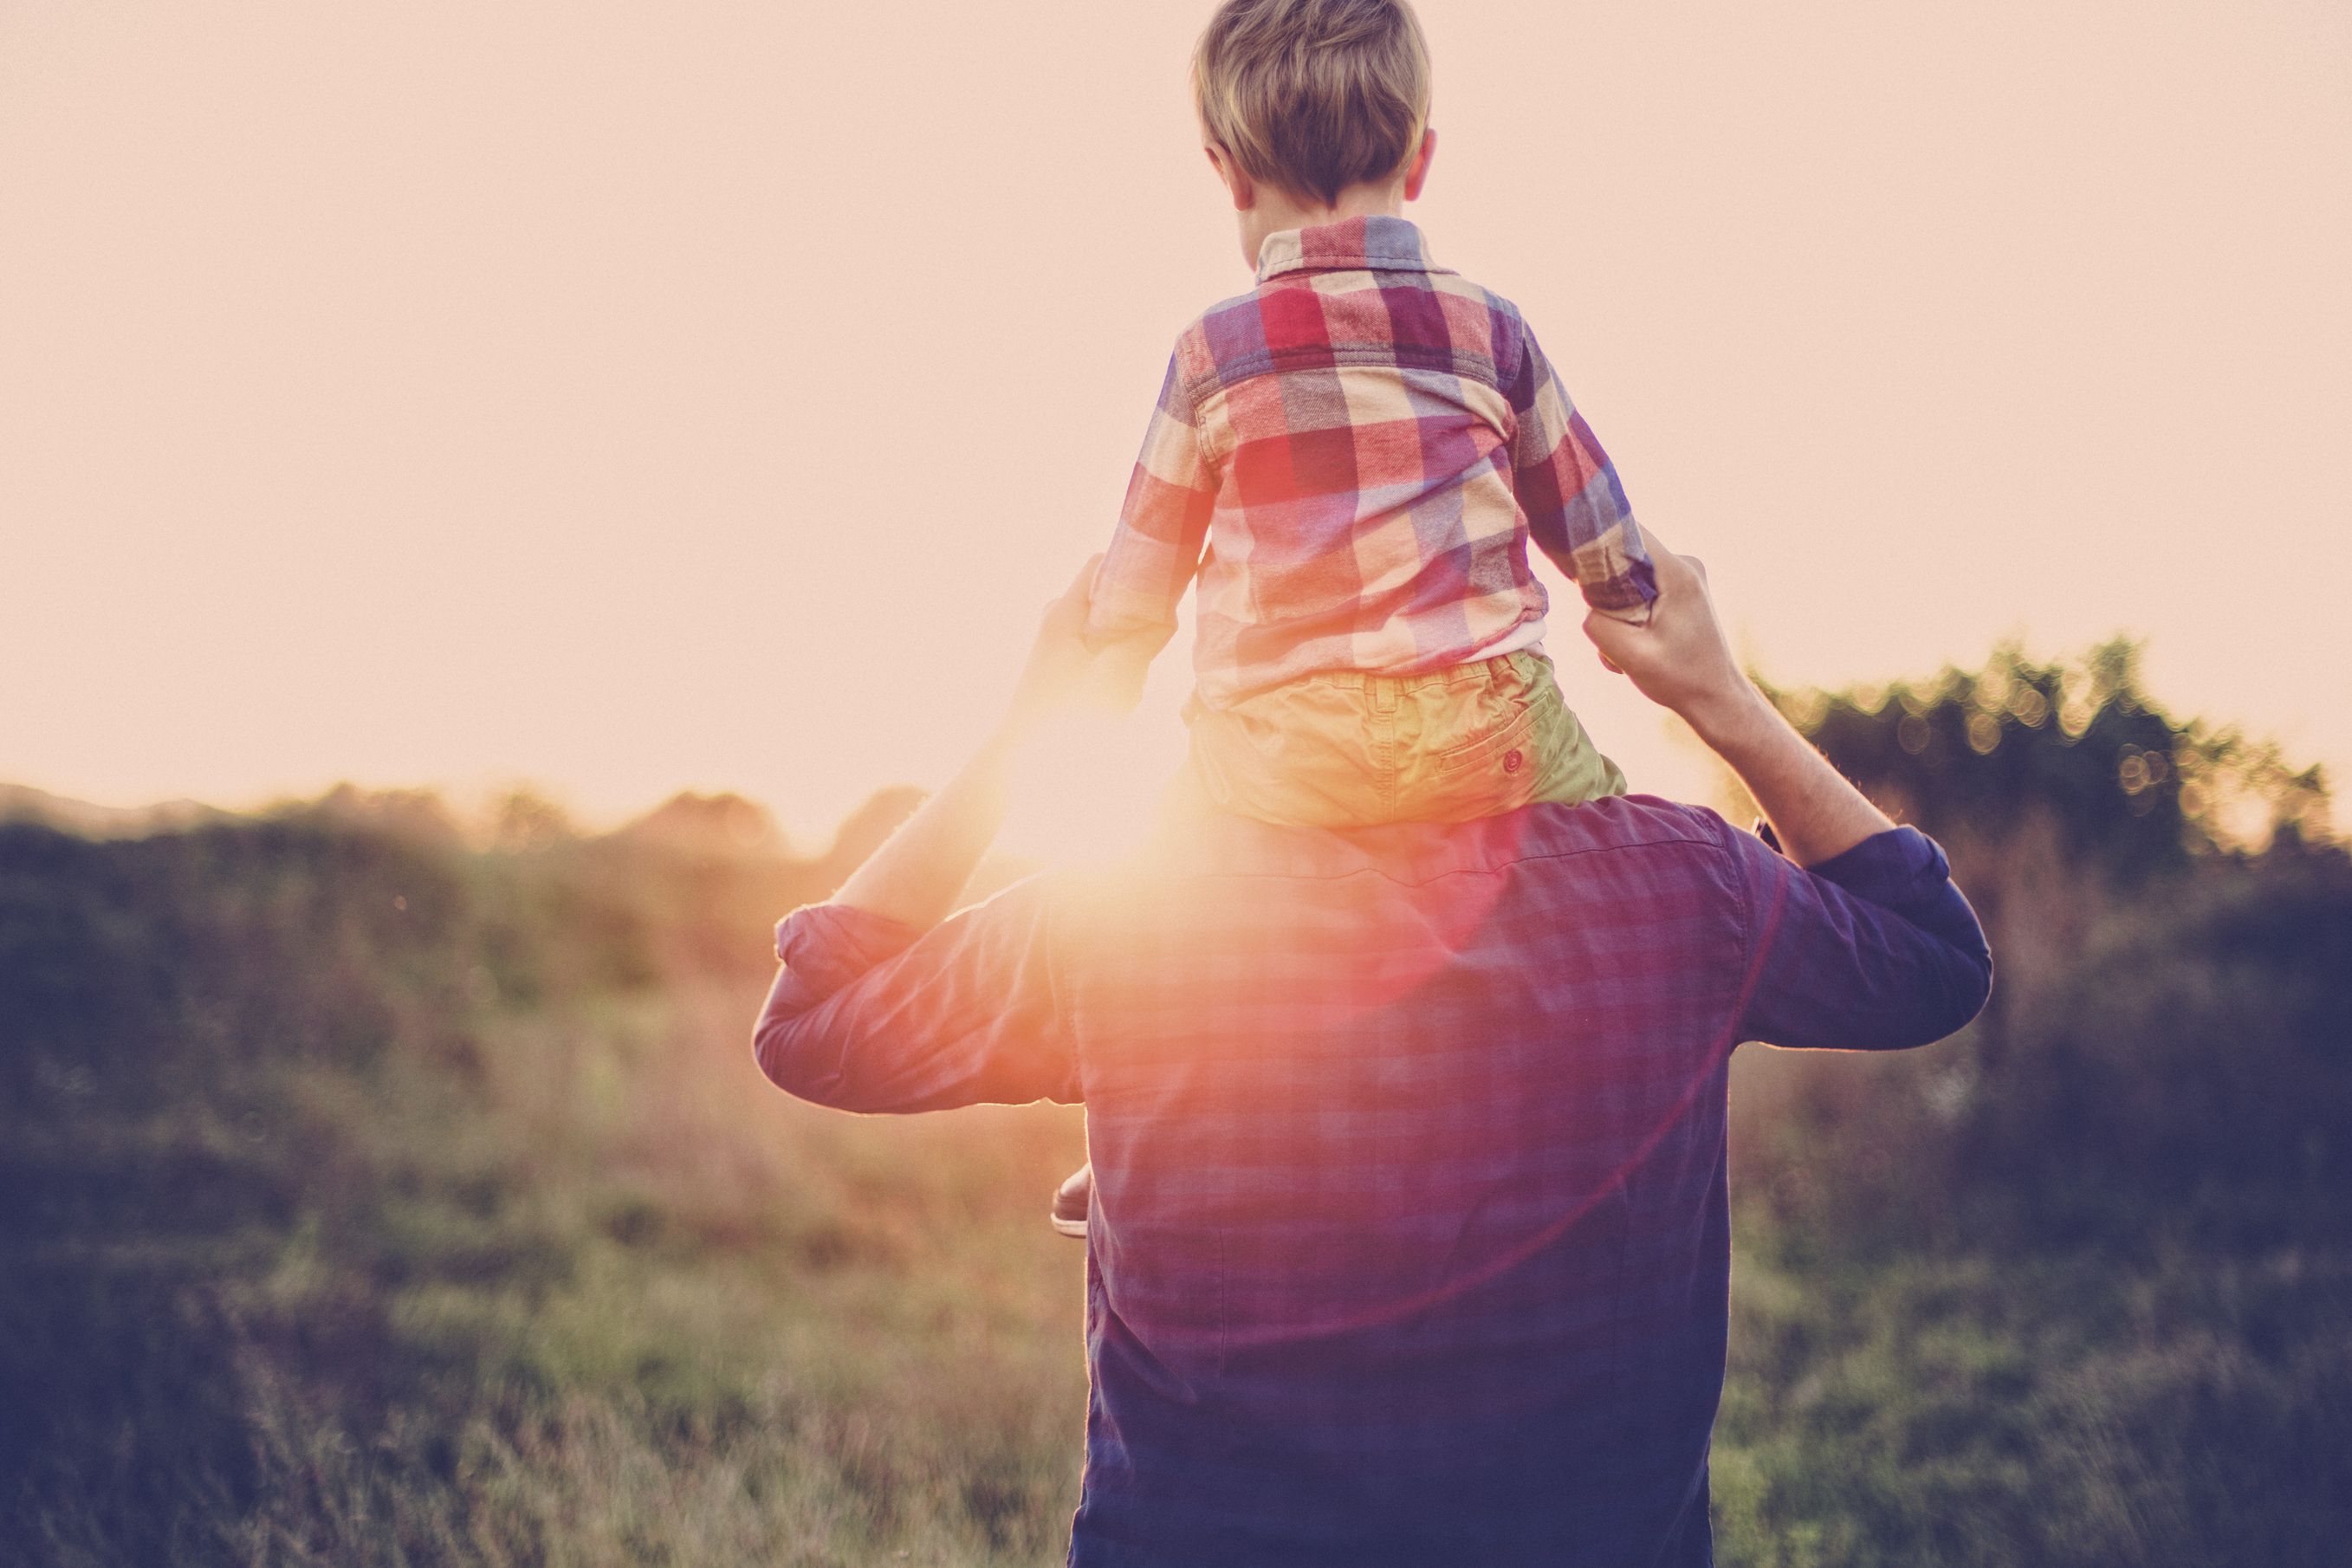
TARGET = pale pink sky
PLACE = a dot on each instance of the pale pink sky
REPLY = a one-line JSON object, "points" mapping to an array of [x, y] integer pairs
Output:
{"points": [[637, 397]]}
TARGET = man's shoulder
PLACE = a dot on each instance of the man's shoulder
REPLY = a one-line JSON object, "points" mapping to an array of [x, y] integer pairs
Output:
{"points": [[1652, 838], [1612, 825], [1237, 895], [1222, 846]]}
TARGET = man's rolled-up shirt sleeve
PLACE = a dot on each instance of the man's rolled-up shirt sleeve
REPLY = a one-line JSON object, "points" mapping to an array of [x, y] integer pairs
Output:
{"points": [[1872, 949], [868, 1014]]}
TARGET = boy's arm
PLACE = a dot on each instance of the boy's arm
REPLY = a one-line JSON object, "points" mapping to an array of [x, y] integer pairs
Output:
{"points": [[1161, 530], [1576, 509]]}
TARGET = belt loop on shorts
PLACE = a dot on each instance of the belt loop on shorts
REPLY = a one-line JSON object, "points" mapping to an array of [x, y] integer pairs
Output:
{"points": [[1383, 693]]}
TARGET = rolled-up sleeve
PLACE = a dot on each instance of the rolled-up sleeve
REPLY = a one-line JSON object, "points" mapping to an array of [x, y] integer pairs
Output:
{"points": [[868, 1014], [1872, 949]]}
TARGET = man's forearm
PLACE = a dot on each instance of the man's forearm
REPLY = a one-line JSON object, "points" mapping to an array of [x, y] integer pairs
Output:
{"points": [[916, 878], [918, 873], [1814, 810]]}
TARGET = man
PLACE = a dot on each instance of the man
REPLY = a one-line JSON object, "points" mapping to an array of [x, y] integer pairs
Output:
{"points": [[1410, 1238]]}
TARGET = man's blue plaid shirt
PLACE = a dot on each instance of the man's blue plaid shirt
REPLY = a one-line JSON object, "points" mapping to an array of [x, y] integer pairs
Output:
{"points": [[1411, 1239]]}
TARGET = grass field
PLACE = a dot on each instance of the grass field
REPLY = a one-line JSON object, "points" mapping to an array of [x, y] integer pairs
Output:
{"points": [[374, 1198]]}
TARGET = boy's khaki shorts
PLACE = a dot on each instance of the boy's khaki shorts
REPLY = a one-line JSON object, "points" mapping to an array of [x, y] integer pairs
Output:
{"points": [[1351, 749]]}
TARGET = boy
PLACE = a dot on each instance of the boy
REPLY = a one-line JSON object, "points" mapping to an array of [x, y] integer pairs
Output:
{"points": [[1352, 459]]}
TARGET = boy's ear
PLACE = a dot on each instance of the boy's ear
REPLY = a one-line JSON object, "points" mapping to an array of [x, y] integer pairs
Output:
{"points": [[1416, 174], [1237, 182]]}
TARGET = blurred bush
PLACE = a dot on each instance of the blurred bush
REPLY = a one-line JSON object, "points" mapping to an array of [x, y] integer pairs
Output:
{"points": [[2172, 933], [379, 1190], [2069, 1288]]}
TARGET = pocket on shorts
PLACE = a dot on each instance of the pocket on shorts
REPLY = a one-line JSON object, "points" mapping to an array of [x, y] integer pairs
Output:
{"points": [[1514, 727]]}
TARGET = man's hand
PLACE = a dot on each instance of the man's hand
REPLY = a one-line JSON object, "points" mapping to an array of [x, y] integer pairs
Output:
{"points": [[917, 876], [1681, 662], [1678, 658], [1060, 665], [1115, 684]]}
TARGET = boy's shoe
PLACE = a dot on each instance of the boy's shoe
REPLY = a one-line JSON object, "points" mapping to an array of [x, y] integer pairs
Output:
{"points": [[1073, 1200]]}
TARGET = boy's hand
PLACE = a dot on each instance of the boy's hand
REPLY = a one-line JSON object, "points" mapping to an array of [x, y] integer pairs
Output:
{"points": [[1679, 659]]}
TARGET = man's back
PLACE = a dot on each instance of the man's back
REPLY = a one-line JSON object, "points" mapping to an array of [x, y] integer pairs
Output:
{"points": [[1410, 1238], [1410, 1189]]}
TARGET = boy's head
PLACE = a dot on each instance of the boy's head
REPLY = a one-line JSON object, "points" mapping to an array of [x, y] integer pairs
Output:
{"points": [[1311, 100]]}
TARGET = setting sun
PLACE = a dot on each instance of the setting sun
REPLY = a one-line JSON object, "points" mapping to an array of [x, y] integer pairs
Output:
{"points": [[1087, 787]]}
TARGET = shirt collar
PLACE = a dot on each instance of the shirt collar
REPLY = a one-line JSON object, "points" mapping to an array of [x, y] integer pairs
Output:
{"points": [[1375, 244]]}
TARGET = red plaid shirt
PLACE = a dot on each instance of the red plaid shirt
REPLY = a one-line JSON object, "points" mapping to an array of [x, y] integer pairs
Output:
{"points": [[1363, 445]]}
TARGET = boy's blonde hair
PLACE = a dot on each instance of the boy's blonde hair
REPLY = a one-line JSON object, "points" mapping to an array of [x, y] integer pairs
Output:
{"points": [[1314, 95]]}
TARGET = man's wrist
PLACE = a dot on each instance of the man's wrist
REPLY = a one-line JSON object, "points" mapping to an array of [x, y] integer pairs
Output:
{"points": [[1731, 719], [990, 765]]}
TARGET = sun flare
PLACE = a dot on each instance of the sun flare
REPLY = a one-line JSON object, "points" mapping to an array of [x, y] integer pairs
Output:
{"points": [[1086, 786]]}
